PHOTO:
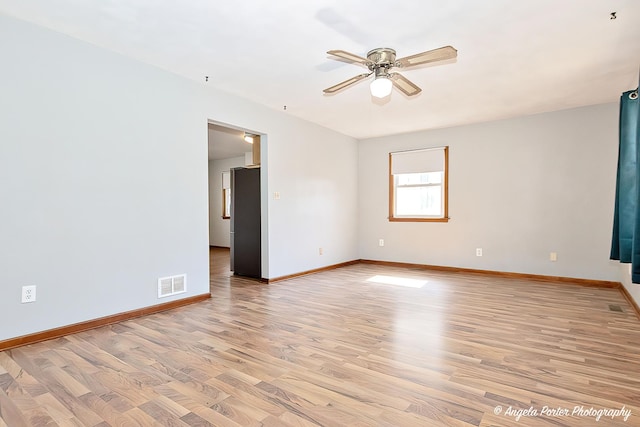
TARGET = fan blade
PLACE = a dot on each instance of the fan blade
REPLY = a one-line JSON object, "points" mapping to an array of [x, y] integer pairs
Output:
{"points": [[404, 85], [440, 54], [350, 57], [346, 83]]}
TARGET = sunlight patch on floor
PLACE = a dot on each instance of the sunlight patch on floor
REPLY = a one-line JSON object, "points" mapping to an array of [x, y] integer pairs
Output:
{"points": [[398, 281]]}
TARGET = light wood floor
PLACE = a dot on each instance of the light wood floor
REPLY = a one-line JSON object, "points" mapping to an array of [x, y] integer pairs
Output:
{"points": [[334, 349]]}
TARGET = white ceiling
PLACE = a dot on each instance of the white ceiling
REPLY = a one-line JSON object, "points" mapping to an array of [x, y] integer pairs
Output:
{"points": [[514, 57], [226, 143]]}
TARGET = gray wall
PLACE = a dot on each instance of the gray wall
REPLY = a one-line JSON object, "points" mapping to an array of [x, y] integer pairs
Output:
{"points": [[104, 182], [519, 189]]}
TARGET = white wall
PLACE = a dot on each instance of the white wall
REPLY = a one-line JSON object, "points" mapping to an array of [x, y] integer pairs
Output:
{"points": [[219, 228], [103, 181], [519, 189]]}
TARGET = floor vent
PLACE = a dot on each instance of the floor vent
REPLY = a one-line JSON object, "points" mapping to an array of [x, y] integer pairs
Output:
{"points": [[172, 285], [614, 307]]}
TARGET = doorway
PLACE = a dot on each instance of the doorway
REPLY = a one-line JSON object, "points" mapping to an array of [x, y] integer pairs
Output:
{"points": [[227, 149]]}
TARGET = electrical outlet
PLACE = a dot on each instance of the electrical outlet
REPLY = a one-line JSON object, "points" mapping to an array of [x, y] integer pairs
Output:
{"points": [[276, 195], [28, 294], [553, 257], [319, 251], [381, 242], [478, 251]]}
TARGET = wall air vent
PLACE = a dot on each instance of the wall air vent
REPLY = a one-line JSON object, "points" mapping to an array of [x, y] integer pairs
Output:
{"points": [[172, 285]]}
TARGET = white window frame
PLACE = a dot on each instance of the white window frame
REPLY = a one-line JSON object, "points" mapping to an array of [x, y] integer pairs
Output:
{"points": [[419, 161]]}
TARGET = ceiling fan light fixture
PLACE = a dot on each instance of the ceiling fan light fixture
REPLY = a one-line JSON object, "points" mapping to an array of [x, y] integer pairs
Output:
{"points": [[381, 61], [381, 87], [248, 137]]}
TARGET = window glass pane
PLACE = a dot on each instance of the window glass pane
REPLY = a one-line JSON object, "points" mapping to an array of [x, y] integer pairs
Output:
{"points": [[424, 201]]}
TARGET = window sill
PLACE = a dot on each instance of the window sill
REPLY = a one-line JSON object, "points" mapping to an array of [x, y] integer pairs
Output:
{"points": [[392, 219]]}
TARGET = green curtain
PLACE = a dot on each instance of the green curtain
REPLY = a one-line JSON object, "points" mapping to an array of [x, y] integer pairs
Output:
{"points": [[625, 245]]}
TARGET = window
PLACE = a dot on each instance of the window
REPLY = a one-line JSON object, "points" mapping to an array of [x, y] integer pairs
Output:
{"points": [[418, 183], [226, 195]]}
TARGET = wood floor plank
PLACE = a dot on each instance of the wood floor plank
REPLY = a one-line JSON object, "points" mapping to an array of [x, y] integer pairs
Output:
{"points": [[10, 412], [109, 414], [161, 415], [142, 418], [54, 408], [339, 348]]}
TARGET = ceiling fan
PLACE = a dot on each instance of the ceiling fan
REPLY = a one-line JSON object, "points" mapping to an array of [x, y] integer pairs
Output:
{"points": [[380, 61]]}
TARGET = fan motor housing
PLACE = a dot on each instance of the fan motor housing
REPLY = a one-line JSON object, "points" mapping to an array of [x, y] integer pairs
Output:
{"points": [[382, 56]]}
